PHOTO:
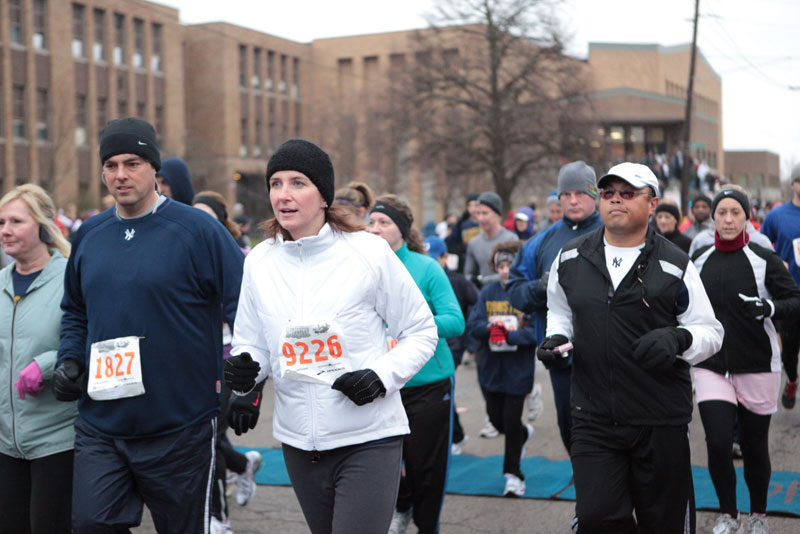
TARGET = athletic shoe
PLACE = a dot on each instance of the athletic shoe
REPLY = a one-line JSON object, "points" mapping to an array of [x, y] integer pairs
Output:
{"points": [[535, 404], [524, 451], [573, 525], [728, 525], [216, 526], [789, 395], [757, 524], [400, 521], [736, 451], [514, 486], [230, 482], [458, 447], [489, 431], [245, 482]]}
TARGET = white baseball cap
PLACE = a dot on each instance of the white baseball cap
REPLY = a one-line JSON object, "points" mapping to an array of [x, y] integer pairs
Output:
{"points": [[636, 174]]}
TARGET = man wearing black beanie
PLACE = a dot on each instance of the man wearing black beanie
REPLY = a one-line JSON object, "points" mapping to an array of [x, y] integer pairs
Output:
{"points": [[147, 286], [701, 213]]}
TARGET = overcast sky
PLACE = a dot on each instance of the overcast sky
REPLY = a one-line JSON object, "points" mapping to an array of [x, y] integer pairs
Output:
{"points": [[753, 46]]}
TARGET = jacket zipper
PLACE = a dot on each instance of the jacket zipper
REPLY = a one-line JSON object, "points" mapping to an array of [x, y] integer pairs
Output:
{"points": [[309, 387], [609, 297], [11, 379]]}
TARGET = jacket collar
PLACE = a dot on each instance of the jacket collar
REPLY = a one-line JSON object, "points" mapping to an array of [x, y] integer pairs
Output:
{"points": [[589, 221], [403, 252], [311, 244], [593, 249], [50, 270]]}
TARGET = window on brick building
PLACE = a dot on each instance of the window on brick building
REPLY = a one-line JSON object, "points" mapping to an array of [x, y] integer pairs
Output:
{"points": [[42, 106], [269, 83], [81, 120], [138, 43], [16, 18], [40, 24], [155, 56], [102, 112], [283, 84], [78, 30], [244, 138], [296, 78], [18, 111], [242, 66], [99, 47], [255, 80], [119, 39]]}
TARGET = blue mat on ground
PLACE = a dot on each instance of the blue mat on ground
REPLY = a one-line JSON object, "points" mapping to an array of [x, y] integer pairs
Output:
{"points": [[551, 479]]}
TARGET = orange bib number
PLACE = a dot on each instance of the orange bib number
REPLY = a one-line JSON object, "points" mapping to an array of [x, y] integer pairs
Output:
{"points": [[313, 353], [115, 369]]}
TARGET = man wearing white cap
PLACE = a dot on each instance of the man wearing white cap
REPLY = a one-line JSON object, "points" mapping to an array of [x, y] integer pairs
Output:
{"points": [[633, 306]]}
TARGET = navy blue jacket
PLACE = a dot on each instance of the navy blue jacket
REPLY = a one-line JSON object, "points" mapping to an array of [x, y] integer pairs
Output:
{"points": [[169, 277], [508, 372], [534, 259]]}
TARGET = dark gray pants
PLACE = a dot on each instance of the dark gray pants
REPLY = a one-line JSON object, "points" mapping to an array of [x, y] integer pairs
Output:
{"points": [[349, 489]]}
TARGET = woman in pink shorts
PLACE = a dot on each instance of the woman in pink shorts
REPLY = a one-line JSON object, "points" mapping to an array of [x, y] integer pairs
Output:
{"points": [[748, 286]]}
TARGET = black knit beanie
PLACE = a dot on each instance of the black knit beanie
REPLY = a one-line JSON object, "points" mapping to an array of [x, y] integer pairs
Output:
{"points": [[735, 194], [306, 157], [669, 208], [130, 135]]}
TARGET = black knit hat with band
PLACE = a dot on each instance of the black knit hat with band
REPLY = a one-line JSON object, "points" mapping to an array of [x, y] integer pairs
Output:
{"points": [[306, 157], [397, 217], [736, 195], [130, 135], [669, 208]]}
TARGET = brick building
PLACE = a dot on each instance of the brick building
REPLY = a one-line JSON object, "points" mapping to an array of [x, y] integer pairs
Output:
{"points": [[758, 171]]}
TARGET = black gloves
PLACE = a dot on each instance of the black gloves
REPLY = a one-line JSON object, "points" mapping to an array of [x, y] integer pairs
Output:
{"points": [[360, 386], [66, 381], [550, 359], [541, 286], [756, 307], [240, 372], [244, 409], [657, 349]]}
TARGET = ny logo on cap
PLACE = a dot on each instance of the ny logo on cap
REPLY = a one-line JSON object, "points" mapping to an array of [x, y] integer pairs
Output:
{"points": [[129, 234]]}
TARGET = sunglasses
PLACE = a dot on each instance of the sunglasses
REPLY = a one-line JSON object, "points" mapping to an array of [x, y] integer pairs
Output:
{"points": [[624, 194]]}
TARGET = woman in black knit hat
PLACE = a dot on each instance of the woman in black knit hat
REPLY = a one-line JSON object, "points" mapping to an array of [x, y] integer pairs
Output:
{"points": [[668, 216]]}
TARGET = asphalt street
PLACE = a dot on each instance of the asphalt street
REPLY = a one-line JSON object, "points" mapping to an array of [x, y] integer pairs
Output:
{"points": [[274, 509]]}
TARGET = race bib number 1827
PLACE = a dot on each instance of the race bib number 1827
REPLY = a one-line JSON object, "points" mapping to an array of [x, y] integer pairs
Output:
{"points": [[115, 369]]}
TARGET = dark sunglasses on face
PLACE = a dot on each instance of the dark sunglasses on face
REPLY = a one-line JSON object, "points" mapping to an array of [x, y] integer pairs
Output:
{"points": [[624, 194]]}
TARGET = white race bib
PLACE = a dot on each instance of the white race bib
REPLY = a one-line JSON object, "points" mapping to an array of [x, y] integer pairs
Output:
{"points": [[511, 322], [115, 369], [796, 249], [314, 353]]}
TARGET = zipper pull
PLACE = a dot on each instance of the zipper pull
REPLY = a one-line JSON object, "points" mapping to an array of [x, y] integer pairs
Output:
{"points": [[315, 456]]}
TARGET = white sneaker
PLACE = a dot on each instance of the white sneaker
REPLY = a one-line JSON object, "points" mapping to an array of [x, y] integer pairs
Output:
{"points": [[216, 526], [728, 525], [535, 404], [524, 451], [245, 482], [489, 431], [514, 486], [757, 524], [400, 521], [458, 447], [230, 482]]}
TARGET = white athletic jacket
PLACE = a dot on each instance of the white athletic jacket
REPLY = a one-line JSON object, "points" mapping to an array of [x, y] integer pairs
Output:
{"points": [[356, 281]]}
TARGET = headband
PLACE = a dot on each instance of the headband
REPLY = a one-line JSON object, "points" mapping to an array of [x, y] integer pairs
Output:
{"points": [[502, 256], [218, 209], [402, 222]]}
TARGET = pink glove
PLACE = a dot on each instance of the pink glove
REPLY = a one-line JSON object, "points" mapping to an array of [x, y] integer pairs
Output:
{"points": [[30, 381]]}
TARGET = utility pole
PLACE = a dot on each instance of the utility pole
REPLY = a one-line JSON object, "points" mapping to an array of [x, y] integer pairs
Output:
{"points": [[687, 123]]}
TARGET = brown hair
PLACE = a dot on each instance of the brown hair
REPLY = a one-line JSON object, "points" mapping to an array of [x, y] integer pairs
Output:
{"points": [[512, 247], [414, 238], [229, 223], [367, 197], [339, 217]]}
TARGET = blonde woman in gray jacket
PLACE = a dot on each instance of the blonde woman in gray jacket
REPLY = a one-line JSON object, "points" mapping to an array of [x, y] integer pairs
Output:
{"points": [[36, 432]]}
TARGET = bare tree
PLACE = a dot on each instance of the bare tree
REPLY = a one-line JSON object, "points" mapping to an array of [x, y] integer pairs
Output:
{"points": [[493, 93]]}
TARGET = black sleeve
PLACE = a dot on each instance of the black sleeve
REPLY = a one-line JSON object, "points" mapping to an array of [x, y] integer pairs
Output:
{"points": [[782, 287]]}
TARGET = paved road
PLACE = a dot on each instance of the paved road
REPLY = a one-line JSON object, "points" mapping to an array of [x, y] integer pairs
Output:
{"points": [[275, 509]]}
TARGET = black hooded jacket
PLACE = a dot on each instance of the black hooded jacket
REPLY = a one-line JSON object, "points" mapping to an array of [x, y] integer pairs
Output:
{"points": [[175, 172]]}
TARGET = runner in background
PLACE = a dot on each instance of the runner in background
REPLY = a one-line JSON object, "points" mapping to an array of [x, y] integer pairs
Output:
{"points": [[316, 299]]}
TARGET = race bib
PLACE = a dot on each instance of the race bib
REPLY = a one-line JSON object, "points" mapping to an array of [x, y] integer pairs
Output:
{"points": [[511, 322], [796, 249], [115, 369], [314, 353]]}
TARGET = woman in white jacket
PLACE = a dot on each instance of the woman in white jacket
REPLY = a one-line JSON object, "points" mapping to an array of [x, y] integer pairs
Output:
{"points": [[317, 296]]}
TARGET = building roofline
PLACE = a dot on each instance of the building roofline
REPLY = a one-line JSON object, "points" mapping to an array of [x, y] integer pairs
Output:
{"points": [[661, 49]]}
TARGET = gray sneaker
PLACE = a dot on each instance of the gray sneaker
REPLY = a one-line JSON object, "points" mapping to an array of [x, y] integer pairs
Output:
{"points": [[400, 521], [757, 524], [245, 482], [728, 525]]}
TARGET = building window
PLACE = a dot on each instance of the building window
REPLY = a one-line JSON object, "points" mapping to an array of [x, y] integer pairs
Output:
{"points": [[138, 43], [17, 19], [141, 110], [41, 114], [80, 120], [259, 139], [99, 48], [296, 78], [256, 79], [282, 88], [119, 39], [122, 107], [102, 112], [242, 66], [269, 83], [40, 24], [155, 57], [18, 111], [244, 139], [158, 124], [78, 30]]}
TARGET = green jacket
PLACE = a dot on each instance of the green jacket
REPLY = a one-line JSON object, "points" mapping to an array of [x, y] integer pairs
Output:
{"points": [[29, 330], [432, 281]]}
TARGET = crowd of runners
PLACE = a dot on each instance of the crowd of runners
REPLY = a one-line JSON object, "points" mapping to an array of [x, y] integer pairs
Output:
{"points": [[133, 346]]}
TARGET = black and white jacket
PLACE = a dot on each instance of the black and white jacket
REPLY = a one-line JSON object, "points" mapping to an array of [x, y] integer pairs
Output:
{"points": [[750, 345], [663, 289]]}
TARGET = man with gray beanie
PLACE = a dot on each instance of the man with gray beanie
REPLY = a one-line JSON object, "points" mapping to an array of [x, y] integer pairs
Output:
{"points": [[489, 213], [527, 283], [146, 289]]}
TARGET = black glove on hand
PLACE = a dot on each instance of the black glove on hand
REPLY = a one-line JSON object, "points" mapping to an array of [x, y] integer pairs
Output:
{"points": [[541, 286], [244, 409], [550, 359], [66, 381], [756, 307], [658, 349], [360, 386], [240, 372]]}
